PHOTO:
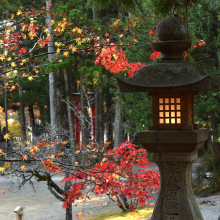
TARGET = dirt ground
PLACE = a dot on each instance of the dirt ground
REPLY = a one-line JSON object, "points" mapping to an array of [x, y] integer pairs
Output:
{"points": [[42, 205]]}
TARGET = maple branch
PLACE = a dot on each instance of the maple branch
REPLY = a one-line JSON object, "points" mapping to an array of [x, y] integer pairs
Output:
{"points": [[55, 194]]}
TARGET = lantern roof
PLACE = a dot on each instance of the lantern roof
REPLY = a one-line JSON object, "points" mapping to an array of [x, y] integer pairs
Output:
{"points": [[172, 73]]}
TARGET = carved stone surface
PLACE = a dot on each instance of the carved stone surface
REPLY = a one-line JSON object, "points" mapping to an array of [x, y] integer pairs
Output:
{"points": [[176, 200]]}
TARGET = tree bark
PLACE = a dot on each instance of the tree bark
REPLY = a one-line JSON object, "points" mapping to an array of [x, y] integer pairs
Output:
{"points": [[6, 107], [101, 120], [96, 13], [31, 114], [109, 125], [84, 113], [69, 209], [213, 51], [118, 129], [97, 139], [22, 115], [70, 118], [52, 86]]}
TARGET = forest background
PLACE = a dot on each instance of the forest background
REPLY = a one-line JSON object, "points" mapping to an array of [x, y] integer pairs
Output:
{"points": [[50, 50]]}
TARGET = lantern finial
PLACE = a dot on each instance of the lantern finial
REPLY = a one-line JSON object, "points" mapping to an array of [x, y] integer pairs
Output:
{"points": [[172, 35]]}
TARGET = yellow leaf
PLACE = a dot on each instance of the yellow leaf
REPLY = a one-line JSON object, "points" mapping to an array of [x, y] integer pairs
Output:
{"points": [[74, 49], [52, 156], [36, 148], [116, 176], [2, 57], [23, 167], [52, 22], [2, 169], [19, 12], [27, 142], [12, 16], [7, 165], [20, 143], [9, 59], [30, 78], [13, 64], [79, 31], [58, 50], [58, 44], [6, 137], [66, 54], [2, 153], [46, 30], [78, 40], [76, 162]]}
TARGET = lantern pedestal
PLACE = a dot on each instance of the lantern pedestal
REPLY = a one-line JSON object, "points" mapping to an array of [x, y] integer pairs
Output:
{"points": [[176, 200], [174, 157]]}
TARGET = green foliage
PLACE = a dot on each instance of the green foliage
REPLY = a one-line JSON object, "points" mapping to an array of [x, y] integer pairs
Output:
{"points": [[137, 110], [164, 7], [128, 5], [207, 175], [207, 106]]}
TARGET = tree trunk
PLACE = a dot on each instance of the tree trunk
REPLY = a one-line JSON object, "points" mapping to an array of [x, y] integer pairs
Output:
{"points": [[66, 188], [101, 120], [118, 129], [96, 13], [214, 34], [109, 124], [52, 86], [31, 114], [84, 113], [22, 116], [97, 139], [69, 212], [6, 107], [70, 118]]}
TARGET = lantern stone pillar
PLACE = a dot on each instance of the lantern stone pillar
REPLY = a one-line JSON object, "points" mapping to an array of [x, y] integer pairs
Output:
{"points": [[174, 157], [174, 138], [176, 200]]}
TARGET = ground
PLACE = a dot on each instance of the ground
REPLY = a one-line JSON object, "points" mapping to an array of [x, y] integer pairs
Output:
{"points": [[43, 206]]}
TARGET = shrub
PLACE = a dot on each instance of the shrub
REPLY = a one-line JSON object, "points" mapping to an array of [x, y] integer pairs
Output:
{"points": [[206, 178]]}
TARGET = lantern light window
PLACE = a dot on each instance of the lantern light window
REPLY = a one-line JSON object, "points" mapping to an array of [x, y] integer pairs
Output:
{"points": [[170, 111]]}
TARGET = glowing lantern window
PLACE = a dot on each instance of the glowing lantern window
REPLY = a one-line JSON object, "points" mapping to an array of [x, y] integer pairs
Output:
{"points": [[173, 111], [168, 113]]}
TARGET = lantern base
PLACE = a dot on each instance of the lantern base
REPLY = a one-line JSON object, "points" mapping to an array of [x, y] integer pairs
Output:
{"points": [[176, 200]]}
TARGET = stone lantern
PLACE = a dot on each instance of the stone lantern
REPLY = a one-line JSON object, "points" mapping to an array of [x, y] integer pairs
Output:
{"points": [[174, 138]]}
